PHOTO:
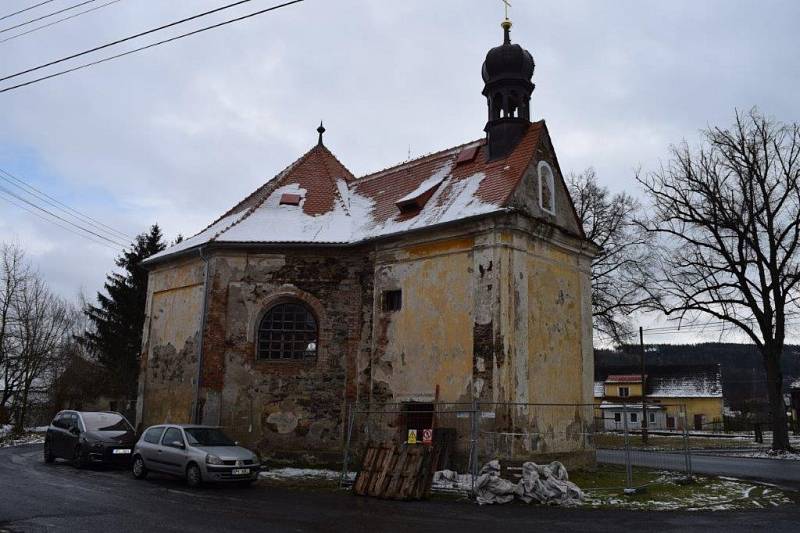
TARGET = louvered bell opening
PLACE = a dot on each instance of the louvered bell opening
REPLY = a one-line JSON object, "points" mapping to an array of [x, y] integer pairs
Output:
{"points": [[290, 199]]}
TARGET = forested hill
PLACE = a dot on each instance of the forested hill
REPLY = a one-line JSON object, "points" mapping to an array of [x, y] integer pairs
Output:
{"points": [[743, 377]]}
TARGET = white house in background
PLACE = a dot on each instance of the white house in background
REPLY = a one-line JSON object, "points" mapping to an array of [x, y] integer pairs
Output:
{"points": [[681, 396], [614, 416]]}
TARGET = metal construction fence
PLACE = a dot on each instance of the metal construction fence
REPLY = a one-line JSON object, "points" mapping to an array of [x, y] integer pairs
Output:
{"points": [[465, 436]]}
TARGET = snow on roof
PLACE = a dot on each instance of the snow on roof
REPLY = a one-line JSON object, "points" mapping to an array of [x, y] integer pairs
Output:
{"points": [[703, 386], [675, 381], [337, 208], [429, 183], [630, 406]]}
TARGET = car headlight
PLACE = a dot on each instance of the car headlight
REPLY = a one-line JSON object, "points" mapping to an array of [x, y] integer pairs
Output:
{"points": [[213, 460]]}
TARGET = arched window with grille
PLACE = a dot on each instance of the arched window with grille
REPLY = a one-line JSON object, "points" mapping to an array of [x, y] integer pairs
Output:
{"points": [[288, 331], [547, 197]]}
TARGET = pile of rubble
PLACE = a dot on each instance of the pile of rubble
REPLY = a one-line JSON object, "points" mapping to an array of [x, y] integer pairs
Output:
{"points": [[548, 484]]}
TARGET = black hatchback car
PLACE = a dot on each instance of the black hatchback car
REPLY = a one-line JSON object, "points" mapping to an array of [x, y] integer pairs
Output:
{"points": [[89, 438]]}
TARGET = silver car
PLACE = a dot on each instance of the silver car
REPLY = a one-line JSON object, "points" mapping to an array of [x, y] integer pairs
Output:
{"points": [[196, 453]]}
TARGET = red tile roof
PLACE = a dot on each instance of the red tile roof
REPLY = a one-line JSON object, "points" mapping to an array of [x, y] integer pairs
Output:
{"points": [[625, 378], [341, 208]]}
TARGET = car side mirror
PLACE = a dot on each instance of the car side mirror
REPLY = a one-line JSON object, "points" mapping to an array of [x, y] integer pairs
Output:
{"points": [[177, 444]]}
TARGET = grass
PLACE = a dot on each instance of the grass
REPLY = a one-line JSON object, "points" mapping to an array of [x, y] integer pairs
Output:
{"points": [[662, 491]]}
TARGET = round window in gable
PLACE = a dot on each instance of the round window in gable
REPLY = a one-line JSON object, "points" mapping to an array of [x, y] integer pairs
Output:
{"points": [[288, 332], [547, 196]]}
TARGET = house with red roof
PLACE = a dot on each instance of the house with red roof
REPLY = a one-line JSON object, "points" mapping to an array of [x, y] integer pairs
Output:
{"points": [[460, 276]]}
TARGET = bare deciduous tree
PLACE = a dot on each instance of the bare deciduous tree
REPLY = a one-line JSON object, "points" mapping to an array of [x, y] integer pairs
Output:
{"points": [[621, 271], [35, 325], [728, 213], [14, 273]]}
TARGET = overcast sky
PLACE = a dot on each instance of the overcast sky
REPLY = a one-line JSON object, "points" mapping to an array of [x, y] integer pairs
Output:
{"points": [[179, 133]]}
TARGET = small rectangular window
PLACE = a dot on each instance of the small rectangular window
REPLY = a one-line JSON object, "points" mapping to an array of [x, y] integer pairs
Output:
{"points": [[652, 418], [617, 417], [624, 392], [392, 300], [634, 417]]}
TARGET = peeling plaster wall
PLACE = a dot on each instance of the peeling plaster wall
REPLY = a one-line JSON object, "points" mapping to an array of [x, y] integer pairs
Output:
{"points": [[428, 343], [170, 344], [546, 315], [497, 310], [285, 406], [503, 316]]}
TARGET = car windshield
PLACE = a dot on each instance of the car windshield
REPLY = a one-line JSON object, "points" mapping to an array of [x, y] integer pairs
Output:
{"points": [[105, 422], [207, 437]]}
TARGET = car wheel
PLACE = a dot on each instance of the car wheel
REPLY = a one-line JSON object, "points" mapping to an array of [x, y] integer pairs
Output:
{"points": [[138, 468], [78, 460], [48, 453], [193, 476]]}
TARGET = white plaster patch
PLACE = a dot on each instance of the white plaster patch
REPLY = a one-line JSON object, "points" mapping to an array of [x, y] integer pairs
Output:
{"points": [[284, 422]]}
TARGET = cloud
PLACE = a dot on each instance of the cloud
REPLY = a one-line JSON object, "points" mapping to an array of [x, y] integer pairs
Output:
{"points": [[179, 133]]}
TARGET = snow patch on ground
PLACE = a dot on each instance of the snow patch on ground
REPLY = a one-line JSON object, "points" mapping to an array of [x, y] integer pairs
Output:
{"points": [[302, 473], [34, 435], [766, 454]]}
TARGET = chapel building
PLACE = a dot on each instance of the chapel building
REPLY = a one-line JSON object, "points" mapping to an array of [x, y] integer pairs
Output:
{"points": [[460, 276]]}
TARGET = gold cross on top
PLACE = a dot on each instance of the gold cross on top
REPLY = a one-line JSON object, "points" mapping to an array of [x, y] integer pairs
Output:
{"points": [[506, 6]]}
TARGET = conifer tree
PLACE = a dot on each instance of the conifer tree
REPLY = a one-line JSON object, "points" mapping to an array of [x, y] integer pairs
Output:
{"points": [[118, 318]]}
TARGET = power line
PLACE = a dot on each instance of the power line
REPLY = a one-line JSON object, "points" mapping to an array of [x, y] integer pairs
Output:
{"points": [[20, 198], [32, 212], [124, 39], [104, 60], [43, 196], [54, 13], [43, 26], [24, 10]]}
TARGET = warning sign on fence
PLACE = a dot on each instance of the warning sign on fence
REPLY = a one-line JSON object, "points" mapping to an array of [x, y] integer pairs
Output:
{"points": [[412, 436], [427, 436]]}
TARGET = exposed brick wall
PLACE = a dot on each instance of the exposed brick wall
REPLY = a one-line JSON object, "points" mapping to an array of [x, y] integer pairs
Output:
{"points": [[280, 406]]}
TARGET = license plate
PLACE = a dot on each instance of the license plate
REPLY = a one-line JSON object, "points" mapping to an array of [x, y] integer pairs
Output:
{"points": [[120, 451], [240, 471]]}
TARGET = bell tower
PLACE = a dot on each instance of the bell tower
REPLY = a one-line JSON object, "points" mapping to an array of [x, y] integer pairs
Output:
{"points": [[507, 72]]}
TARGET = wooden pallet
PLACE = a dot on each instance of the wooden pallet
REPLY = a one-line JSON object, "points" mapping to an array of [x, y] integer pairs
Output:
{"points": [[392, 472]]}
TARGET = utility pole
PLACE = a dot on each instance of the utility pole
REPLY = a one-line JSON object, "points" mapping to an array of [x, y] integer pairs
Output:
{"points": [[644, 389]]}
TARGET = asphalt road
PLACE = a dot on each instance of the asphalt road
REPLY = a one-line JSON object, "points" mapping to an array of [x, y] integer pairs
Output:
{"points": [[39, 497], [784, 473]]}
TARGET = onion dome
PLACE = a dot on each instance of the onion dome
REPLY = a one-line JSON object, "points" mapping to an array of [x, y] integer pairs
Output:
{"points": [[507, 61]]}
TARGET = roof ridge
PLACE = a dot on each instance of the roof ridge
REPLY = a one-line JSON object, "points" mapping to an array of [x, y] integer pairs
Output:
{"points": [[334, 179], [412, 162], [274, 182], [328, 150]]}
